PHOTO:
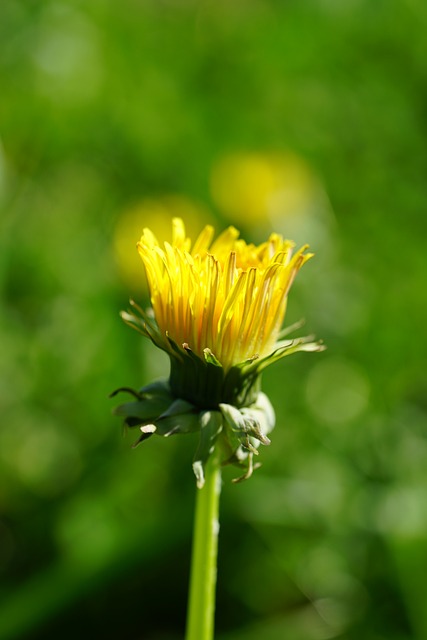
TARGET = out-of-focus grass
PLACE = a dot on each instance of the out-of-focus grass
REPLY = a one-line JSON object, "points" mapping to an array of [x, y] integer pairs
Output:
{"points": [[305, 117]]}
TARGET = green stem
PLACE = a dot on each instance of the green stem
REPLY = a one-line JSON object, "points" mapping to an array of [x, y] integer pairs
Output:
{"points": [[201, 605]]}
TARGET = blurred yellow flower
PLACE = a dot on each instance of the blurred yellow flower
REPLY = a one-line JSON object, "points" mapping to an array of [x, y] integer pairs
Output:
{"points": [[156, 213], [225, 296], [256, 187]]}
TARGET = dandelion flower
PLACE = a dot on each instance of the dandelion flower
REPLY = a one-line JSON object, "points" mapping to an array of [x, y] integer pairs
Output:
{"points": [[218, 306]]}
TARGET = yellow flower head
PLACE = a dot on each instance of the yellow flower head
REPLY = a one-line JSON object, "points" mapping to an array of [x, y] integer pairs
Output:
{"points": [[217, 309], [223, 295]]}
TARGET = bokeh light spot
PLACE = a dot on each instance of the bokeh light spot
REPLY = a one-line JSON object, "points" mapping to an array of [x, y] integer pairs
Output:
{"points": [[67, 56], [42, 457], [157, 214], [407, 500], [254, 187], [337, 391]]}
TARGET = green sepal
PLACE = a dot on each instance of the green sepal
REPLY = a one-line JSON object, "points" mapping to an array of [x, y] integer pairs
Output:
{"points": [[283, 348], [211, 358], [244, 460], [263, 404], [290, 329], [175, 352], [244, 430], [231, 444], [249, 469], [248, 422], [241, 384], [238, 427], [180, 417], [157, 411], [157, 388], [178, 423], [177, 408], [132, 392], [146, 432], [211, 424], [143, 409], [144, 323], [262, 416], [199, 381], [153, 400], [254, 430]]}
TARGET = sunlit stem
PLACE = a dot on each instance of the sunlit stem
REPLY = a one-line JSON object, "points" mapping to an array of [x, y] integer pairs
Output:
{"points": [[201, 606]]}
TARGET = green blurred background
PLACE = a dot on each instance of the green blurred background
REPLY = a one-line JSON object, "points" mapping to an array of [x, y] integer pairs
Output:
{"points": [[306, 117]]}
